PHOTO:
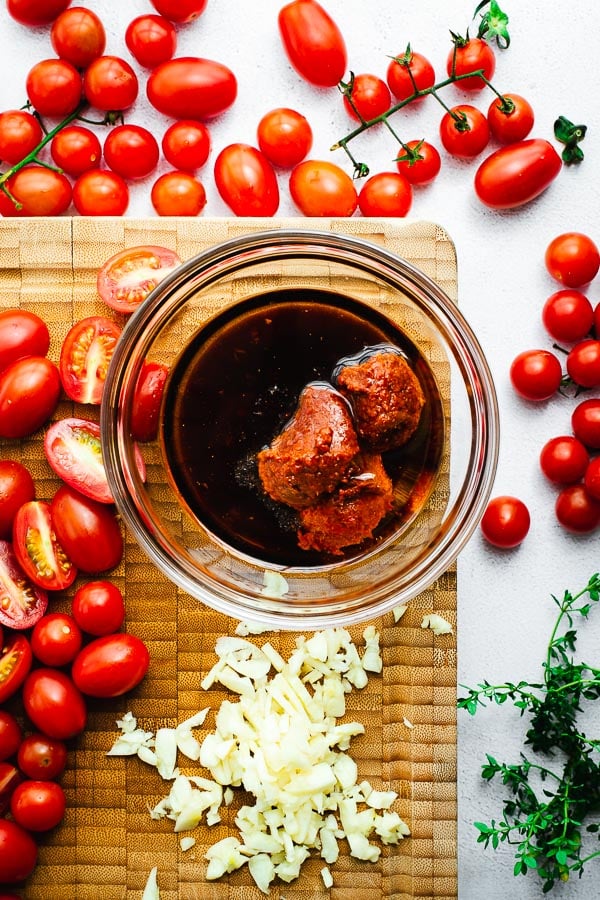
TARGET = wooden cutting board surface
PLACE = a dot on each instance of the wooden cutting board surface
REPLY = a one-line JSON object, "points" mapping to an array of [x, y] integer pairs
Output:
{"points": [[107, 843]]}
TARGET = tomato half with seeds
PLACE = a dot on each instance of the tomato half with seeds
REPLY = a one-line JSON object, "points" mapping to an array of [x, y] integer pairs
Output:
{"points": [[88, 531], [38, 550], [15, 662], [85, 356], [126, 279], [110, 666], [74, 451], [22, 603], [10, 779], [54, 704], [29, 393]]}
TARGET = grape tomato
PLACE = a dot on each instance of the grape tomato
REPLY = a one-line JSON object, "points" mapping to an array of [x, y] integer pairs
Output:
{"points": [[18, 852], [178, 194], [246, 181], [88, 531], [180, 11], [110, 84], [321, 188], [585, 421], [98, 608], [54, 704], [385, 194], [38, 805], [56, 639], [131, 151], [313, 42], [35, 12], [111, 666], [100, 193], [11, 735], [190, 87], [42, 757], [54, 87]]}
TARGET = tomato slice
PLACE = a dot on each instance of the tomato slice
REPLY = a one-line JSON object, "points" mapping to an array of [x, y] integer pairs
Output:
{"points": [[85, 355], [37, 549], [15, 662], [74, 451], [126, 279], [22, 603]]}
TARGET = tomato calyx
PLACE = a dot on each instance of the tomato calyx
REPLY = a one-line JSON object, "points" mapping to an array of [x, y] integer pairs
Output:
{"points": [[493, 24], [570, 135]]}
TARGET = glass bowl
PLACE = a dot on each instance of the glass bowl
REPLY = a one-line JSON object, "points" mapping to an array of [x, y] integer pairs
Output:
{"points": [[190, 311]]}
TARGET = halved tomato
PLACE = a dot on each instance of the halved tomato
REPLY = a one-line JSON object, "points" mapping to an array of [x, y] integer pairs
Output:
{"points": [[37, 549], [85, 356], [74, 451], [22, 603], [126, 279], [15, 662], [146, 401]]}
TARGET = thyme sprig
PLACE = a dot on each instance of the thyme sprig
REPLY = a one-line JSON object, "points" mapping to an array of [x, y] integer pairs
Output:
{"points": [[546, 825]]}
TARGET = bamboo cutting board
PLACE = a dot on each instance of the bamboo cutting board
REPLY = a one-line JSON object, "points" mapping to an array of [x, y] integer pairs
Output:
{"points": [[107, 843]]}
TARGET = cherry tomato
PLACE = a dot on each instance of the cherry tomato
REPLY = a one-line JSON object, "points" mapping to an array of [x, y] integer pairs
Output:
{"points": [[246, 181], [576, 510], [408, 73], [597, 320], [98, 608], [54, 87], [109, 83], [56, 639], [536, 374], [146, 402], [38, 805], [313, 42], [111, 665], [22, 333], [564, 459], [126, 279], [74, 451], [15, 663], [18, 852], [181, 11], [178, 194], [585, 422], [89, 531], [186, 144], [572, 258], [505, 522], [16, 488], [10, 735], [78, 36], [191, 88], [29, 393], [464, 131], [35, 12], [42, 757], [510, 118], [369, 97], [568, 315], [100, 193], [284, 136], [591, 480], [421, 164], [10, 778], [385, 194], [76, 149], [467, 56], [151, 39], [517, 173], [20, 133], [131, 151], [39, 191], [54, 704], [583, 363], [38, 550], [22, 603], [85, 355], [320, 188]]}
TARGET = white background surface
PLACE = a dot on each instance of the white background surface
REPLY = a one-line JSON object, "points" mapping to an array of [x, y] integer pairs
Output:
{"points": [[505, 612]]}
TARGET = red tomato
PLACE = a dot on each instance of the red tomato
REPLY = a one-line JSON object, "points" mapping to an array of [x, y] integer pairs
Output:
{"points": [[246, 181], [189, 87], [369, 97], [38, 550], [20, 133], [56, 639], [146, 401], [35, 12], [564, 459], [38, 191], [420, 163], [38, 805], [320, 188], [464, 131], [78, 36], [54, 704], [126, 278], [597, 320], [89, 531], [109, 83], [469, 55], [15, 663], [284, 136], [591, 478], [568, 315], [100, 193], [98, 608], [85, 356], [18, 852], [576, 510], [181, 11], [151, 39], [22, 603], [42, 757], [408, 73], [510, 118], [505, 522], [54, 87], [29, 393], [572, 258], [10, 778], [536, 374], [385, 194], [186, 144], [516, 174], [76, 149], [583, 363], [22, 333], [110, 666], [585, 421], [131, 151], [74, 451], [10, 735], [178, 194], [313, 42]]}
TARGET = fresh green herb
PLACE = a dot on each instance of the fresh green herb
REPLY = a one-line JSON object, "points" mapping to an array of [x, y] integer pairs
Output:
{"points": [[545, 823], [493, 24], [570, 135]]}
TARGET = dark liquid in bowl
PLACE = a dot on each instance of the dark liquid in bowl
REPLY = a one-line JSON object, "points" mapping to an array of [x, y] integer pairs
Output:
{"points": [[237, 384]]}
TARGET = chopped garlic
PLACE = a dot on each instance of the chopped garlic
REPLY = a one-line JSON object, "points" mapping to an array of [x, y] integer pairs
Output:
{"points": [[133, 740], [243, 629], [186, 843], [275, 585], [326, 876], [151, 891], [407, 722], [437, 624], [398, 612]]}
